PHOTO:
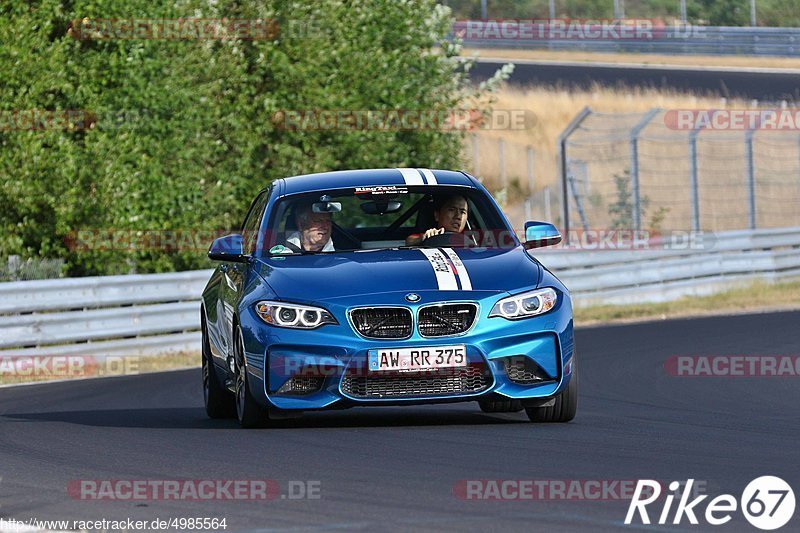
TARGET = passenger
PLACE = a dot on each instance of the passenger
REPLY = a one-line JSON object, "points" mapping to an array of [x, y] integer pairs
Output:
{"points": [[450, 214]]}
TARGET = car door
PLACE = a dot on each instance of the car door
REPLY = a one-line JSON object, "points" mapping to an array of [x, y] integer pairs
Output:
{"points": [[234, 275]]}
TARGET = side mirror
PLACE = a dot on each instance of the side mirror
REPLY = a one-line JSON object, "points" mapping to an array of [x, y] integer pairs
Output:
{"points": [[540, 234], [228, 248]]}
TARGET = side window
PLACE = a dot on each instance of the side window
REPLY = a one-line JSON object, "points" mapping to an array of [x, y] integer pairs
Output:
{"points": [[253, 221]]}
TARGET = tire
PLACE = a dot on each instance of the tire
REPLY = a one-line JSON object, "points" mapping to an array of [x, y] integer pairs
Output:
{"points": [[248, 412], [500, 406], [219, 401], [565, 406]]}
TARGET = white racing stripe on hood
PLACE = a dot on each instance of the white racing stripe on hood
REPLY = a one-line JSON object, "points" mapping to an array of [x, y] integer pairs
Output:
{"points": [[429, 177], [461, 269], [411, 176], [445, 278]]}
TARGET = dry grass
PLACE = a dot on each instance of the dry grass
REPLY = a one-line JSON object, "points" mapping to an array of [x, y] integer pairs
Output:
{"points": [[756, 297], [664, 170], [553, 110], [647, 59]]}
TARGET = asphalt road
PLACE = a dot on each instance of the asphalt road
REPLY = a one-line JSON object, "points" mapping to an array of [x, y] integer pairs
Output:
{"points": [[396, 468], [761, 84]]}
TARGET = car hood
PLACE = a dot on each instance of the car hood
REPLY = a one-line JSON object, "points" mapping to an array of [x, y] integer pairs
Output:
{"points": [[357, 274]]}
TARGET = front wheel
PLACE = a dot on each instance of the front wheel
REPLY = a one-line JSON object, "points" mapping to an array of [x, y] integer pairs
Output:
{"points": [[564, 407], [249, 413], [218, 401]]}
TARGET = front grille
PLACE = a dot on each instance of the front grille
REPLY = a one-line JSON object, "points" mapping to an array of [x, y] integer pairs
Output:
{"points": [[439, 382], [524, 371], [382, 322], [446, 319]]}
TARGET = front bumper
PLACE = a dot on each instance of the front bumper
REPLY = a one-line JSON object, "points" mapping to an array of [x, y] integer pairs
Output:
{"points": [[335, 355]]}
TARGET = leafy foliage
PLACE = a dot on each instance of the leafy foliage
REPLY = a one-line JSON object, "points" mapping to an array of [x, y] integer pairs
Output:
{"points": [[183, 133]]}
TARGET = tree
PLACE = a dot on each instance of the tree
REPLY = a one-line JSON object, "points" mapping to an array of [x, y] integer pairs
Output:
{"points": [[181, 134]]}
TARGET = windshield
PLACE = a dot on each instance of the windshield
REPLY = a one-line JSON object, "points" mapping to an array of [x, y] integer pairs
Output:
{"points": [[380, 217]]}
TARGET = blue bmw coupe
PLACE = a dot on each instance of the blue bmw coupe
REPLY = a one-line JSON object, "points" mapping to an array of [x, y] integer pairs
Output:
{"points": [[384, 287]]}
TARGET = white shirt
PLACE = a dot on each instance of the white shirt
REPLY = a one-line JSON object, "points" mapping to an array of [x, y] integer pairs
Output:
{"points": [[294, 238]]}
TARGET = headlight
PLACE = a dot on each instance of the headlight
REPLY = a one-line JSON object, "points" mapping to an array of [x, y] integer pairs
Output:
{"points": [[525, 305], [293, 315]]}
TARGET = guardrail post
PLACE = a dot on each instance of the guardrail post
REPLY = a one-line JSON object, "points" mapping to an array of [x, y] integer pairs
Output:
{"points": [[635, 194], [564, 166], [751, 176]]}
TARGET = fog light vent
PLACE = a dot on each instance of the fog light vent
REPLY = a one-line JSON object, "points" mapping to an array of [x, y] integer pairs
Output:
{"points": [[301, 385], [524, 371]]}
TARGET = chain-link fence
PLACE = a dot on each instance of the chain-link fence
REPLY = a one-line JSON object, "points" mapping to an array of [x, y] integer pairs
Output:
{"points": [[16, 269], [668, 170]]}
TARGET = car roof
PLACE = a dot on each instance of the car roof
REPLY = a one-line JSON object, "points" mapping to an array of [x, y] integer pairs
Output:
{"points": [[382, 176]]}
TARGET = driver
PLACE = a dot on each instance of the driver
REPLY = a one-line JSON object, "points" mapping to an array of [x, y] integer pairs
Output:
{"points": [[314, 231], [450, 214]]}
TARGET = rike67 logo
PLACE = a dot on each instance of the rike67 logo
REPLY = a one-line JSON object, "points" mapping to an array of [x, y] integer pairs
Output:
{"points": [[767, 503]]}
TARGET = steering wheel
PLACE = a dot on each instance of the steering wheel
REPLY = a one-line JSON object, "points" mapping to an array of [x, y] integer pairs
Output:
{"points": [[448, 238]]}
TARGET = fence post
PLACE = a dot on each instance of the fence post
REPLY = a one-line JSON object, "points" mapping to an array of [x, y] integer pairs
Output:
{"points": [[502, 154], [548, 214], [14, 263], [564, 166], [635, 195], [528, 209], [530, 171], [693, 181], [476, 166], [751, 176]]}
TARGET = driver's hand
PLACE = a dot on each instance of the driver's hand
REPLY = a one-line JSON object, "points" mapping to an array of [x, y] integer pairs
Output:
{"points": [[431, 232]]}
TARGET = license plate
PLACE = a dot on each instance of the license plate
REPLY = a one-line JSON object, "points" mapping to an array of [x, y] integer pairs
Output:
{"points": [[418, 358]]}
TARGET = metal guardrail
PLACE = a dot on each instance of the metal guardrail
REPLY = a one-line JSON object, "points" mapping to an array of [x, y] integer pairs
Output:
{"points": [[658, 275], [677, 39], [147, 314], [107, 315]]}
